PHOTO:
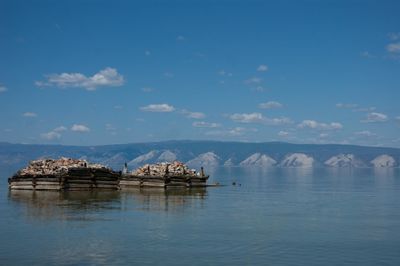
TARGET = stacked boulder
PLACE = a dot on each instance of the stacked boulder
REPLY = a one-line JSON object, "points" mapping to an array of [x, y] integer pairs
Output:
{"points": [[55, 166], [160, 169]]}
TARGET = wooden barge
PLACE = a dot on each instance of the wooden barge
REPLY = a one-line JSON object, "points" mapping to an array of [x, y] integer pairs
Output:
{"points": [[129, 180], [74, 179], [92, 178]]}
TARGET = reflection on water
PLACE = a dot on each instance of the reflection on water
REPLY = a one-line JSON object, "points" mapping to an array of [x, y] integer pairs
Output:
{"points": [[274, 216], [88, 205], [160, 199]]}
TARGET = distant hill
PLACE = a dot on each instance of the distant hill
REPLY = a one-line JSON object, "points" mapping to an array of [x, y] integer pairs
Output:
{"points": [[209, 154]]}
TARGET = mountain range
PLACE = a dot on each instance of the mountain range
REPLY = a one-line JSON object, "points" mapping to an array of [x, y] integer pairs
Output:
{"points": [[208, 154]]}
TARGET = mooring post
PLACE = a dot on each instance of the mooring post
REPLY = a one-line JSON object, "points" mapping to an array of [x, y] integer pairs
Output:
{"points": [[202, 171]]}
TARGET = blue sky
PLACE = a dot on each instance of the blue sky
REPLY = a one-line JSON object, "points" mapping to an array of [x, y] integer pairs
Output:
{"points": [[103, 72]]}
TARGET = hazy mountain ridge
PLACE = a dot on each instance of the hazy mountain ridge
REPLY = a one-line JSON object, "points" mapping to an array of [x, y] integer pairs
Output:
{"points": [[209, 154]]}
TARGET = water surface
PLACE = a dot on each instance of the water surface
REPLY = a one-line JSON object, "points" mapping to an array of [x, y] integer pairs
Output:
{"points": [[270, 217]]}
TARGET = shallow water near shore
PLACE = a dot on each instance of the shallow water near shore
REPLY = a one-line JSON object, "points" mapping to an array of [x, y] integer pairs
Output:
{"points": [[293, 216]]}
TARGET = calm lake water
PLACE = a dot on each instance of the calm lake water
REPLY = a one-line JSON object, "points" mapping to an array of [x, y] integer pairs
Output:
{"points": [[274, 217]]}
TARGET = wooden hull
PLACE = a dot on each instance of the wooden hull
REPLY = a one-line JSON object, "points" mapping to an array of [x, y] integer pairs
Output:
{"points": [[94, 180]]}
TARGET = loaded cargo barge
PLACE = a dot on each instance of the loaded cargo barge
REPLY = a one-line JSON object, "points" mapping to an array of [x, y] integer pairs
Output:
{"points": [[71, 174]]}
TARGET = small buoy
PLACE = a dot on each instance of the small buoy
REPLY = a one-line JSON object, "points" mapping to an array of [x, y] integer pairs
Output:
{"points": [[234, 183]]}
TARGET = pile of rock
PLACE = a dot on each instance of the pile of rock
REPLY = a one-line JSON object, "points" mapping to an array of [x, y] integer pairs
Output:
{"points": [[160, 169], [54, 167]]}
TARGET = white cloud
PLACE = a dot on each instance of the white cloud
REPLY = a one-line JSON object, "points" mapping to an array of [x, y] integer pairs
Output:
{"points": [[253, 80], [29, 114], [180, 38], [394, 36], [3, 89], [365, 133], [259, 118], [283, 133], [205, 124], [270, 105], [52, 135], [320, 126], [193, 115], [248, 118], [346, 105], [159, 108], [55, 134], [375, 117], [262, 68], [393, 47], [147, 53], [60, 129], [108, 77], [80, 128], [397, 118], [323, 135], [118, 107], [234, 132]]}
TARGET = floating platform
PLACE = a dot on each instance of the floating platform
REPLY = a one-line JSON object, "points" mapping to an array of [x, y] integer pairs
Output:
{"points": [[86, 178], [163, 181], [74, 179]]}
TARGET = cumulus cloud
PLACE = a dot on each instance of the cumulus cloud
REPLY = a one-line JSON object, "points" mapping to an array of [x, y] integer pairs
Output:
{"points": [[233, 132], [52, 135], [375, 117], [158, 108], [259, 118], [29, 114], [3, 89], [205, 124], [147, 53], [60, 129], [397, 119], [270, 105], [193, 115], [262, 68], [323, 135], [320, 126], [108, 77], [180, 38], [393, 47], [394, 36], [248, 118], [283, 133], [80, 128], [55, 134]]}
